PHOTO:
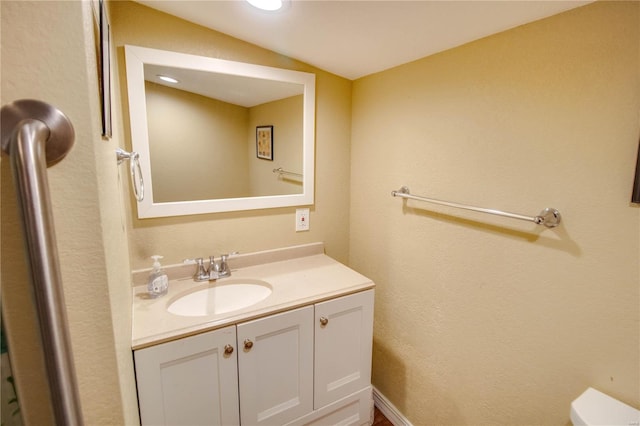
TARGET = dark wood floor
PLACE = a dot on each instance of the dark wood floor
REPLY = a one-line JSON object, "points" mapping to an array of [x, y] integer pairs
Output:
{"points": [[379, 419]]}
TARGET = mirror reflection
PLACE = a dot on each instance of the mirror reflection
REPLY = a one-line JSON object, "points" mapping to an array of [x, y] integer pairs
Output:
{"points": [[213, 134], [215, 119]]}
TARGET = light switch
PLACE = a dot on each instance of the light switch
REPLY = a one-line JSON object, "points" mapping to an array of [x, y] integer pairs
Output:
{"points": [[302, 220]]}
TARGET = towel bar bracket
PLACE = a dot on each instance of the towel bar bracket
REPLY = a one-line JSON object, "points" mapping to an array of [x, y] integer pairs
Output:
{"points": [[548, 217], [282, 171]]}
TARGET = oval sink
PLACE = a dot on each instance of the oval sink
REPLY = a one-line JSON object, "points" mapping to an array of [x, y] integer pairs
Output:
{"points": [[221, 298]]}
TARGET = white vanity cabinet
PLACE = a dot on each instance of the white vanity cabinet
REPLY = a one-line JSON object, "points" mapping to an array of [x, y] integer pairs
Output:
{"points": [[306, 366], [190, 381], [343, 336], [275, 367]]}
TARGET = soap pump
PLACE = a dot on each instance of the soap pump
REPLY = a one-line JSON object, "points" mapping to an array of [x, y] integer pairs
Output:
{"points": [[158, 282]]}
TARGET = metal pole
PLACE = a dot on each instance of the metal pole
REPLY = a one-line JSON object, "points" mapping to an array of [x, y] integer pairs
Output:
{"points": [[35, 134]]}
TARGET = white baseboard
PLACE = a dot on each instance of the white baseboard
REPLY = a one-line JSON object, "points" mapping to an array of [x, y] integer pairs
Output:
{"points": [[388, 409]]}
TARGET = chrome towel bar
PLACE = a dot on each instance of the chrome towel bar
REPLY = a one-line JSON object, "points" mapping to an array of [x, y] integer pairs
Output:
{"points": [[36, 135], [282, 171], [548, 217]]}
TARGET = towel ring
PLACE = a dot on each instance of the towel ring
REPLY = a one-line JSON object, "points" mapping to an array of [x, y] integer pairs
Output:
{"points": [[134, 169]]}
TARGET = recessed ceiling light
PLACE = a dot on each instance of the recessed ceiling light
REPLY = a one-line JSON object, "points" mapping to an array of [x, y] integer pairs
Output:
{"points": [[168, 79], [270, 5]]}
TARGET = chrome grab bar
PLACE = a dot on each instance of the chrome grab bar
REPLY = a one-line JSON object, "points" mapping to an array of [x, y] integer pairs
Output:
{"points": [[134, 168], [282, 171], [548, 217], [36, 135]]}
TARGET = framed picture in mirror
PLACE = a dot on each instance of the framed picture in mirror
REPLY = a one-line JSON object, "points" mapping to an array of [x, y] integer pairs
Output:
{"points": [[264, 142]]}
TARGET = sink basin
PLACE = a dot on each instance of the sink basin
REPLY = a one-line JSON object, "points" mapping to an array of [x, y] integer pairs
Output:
{"points": [[221, 298]]}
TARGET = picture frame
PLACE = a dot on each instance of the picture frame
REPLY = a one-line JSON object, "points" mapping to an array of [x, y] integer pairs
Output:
{"points": [[105, 69], [264, 142]]}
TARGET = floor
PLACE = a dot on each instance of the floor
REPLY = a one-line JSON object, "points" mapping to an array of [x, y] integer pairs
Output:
{"points": [[379, 419]]}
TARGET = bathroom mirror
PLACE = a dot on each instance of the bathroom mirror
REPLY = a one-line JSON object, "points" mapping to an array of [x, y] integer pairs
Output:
{"points": [[226, 136]]}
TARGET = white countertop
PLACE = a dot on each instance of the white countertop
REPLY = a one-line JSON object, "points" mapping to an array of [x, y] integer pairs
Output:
{"points": [[295, 282]]}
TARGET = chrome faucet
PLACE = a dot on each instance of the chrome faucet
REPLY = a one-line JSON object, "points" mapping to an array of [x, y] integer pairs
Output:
{"points": [[216, 269], [201, 272]]}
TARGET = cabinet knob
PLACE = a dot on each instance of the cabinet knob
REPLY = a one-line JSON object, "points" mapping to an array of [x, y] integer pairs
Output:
{"points": [[248, 344], [228, 349], [324, 320]]}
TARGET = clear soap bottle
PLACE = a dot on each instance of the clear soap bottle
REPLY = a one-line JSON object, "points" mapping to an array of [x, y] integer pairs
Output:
{"points": [[158, 282]]}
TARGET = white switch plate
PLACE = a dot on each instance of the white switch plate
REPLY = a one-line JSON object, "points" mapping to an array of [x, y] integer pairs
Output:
{"points": [[302, 220]]}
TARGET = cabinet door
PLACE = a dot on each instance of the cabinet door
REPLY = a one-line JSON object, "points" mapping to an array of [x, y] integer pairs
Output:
{"points": [[275, 366], [190, 381], [343, 339]]}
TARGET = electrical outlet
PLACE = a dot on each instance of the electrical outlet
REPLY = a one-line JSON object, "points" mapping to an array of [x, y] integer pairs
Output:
{"points": [[302, 220]]}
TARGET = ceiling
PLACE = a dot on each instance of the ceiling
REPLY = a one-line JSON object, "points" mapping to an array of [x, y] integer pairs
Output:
{"points": [[234, 89], [356, 38]]}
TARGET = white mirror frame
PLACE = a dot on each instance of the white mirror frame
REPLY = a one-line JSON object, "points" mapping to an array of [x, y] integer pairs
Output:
{"points": [[136, 57]]}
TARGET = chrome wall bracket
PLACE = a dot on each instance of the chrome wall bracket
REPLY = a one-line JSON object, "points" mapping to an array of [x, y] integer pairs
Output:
{"points": [[134, 169]]}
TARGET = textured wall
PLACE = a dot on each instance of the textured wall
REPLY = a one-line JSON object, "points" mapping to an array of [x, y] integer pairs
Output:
{"points": [[203, 235], [478, 319], [486, 320], [48, 53], [286, 117], [211, 134]]}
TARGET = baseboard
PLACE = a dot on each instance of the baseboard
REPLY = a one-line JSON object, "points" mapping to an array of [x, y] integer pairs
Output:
{"points": [[388, 409]]}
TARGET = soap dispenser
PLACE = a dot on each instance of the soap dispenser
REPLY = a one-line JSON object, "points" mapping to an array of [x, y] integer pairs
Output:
{"points": [[158, 282]]}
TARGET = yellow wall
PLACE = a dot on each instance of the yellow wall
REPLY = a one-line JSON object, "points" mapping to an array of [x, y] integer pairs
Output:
{"points": [[286, 117], [212, 152], [479, 320], [487, 320], [48, 53], [197, 146], [204, 235]]}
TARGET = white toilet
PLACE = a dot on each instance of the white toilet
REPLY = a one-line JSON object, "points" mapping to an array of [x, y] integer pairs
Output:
{"points": [[595, 408]]}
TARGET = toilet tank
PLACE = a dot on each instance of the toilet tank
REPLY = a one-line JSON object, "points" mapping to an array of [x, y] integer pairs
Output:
{"points": [[596, 408]]}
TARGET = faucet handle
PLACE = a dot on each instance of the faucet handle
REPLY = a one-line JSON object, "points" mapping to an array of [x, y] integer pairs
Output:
{"points": [[225, 271], [201, 273], [226, 256]]}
